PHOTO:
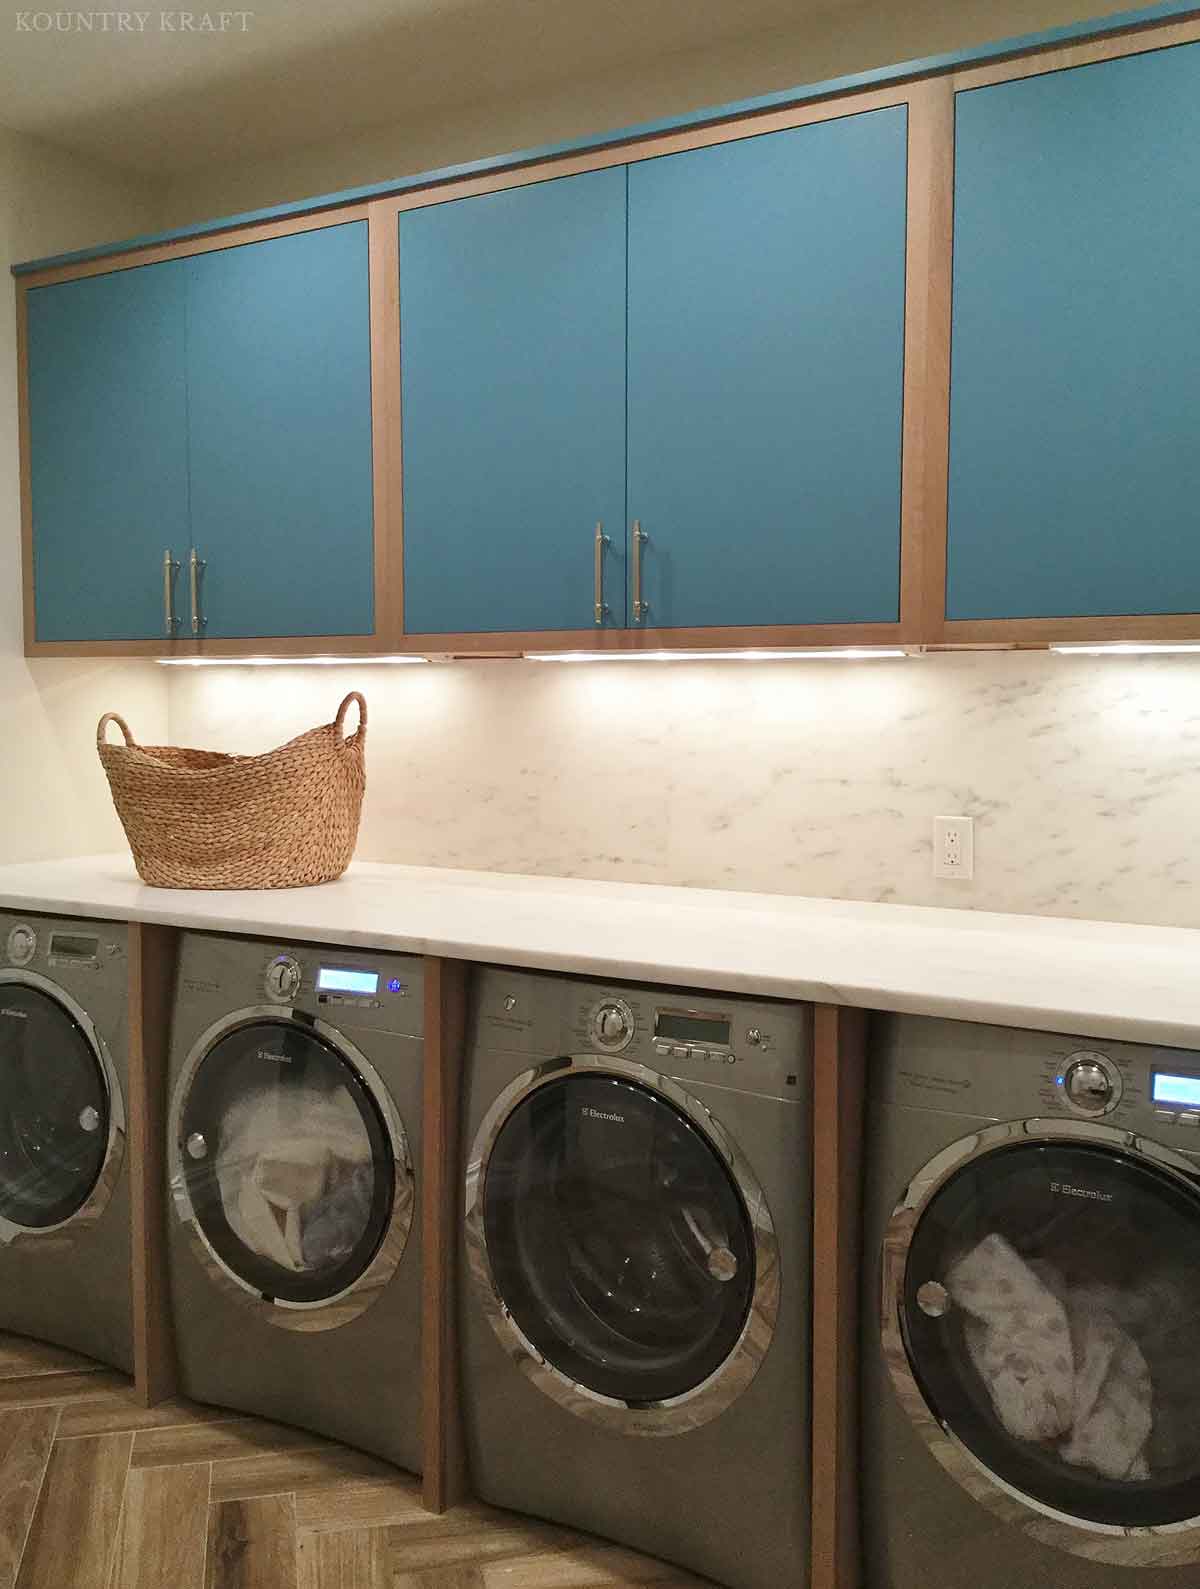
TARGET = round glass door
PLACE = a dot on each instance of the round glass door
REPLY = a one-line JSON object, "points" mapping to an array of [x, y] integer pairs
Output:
{"points": [[618, 1239], [1050, 1314], [287, 1162], [54, 1110]]}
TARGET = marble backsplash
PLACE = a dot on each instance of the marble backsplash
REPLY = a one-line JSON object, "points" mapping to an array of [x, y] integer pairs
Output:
{"points": [[819, 778]]}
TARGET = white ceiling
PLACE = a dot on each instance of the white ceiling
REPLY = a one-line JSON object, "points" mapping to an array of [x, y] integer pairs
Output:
{"points": [[165, 100]]}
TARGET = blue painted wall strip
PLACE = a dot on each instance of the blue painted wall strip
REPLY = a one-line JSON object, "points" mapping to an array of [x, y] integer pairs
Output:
{"points": [[878, 77]]}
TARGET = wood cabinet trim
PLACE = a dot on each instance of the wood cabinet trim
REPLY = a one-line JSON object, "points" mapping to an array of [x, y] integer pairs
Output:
{"points": [[152, 959], [444, 1481], [839, 1074], [236, 237], [386, 437], [926, 448]]}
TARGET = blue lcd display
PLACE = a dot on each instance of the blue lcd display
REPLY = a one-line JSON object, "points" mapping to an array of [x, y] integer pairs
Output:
{"points": [[1183, 1090], [335, 979]]}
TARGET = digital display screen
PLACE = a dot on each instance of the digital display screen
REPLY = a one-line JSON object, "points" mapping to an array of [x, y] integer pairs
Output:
{"points": [[69, 948], [336, 979], [1182, 1090], [685, 1027]]}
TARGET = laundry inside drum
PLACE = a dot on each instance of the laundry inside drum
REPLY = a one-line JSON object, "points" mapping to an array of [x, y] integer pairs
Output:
{"points": [[1053, 1324]]}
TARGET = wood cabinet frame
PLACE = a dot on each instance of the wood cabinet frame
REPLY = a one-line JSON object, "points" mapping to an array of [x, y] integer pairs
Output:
{"points": [[929, 97]]}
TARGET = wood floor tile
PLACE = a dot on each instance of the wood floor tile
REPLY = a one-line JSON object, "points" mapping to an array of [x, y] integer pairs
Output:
{"points": [[252, 1544], [26, 1436], [118, 1412], [365, 1504], [216, 1441], [75, 1385], [282, 1472], [468, 1536], [75, 1524], [584, 1567], [164, 1527], [351, 1559], [21, 1357], [462, 1576]]}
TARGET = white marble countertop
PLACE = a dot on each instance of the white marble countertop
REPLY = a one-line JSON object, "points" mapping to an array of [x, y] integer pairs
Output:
{"points": [[1082, 977]]}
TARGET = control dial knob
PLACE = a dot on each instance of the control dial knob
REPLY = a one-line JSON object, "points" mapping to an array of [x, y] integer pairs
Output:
{"points": [[1088, 1085], [22, 944], [612, 1024], [282, 980]]}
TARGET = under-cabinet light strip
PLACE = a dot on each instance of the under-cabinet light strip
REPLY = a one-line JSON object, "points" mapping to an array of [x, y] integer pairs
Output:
{"points": [[285, 662], [1125, 648], [833, 654]]}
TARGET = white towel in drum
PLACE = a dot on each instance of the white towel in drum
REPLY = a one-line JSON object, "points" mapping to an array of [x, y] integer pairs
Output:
{"points": [[280, 1151], [1018, 1338], [1057, 1364]]}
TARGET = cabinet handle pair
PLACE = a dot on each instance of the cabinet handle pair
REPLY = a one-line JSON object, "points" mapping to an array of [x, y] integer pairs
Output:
{"points": [[640, 607], [170, 567]]}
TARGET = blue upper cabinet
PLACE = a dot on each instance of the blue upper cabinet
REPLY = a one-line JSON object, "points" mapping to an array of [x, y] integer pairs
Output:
{"points": [[766, 353], [279, 400], [512, 342], [1075, 463], [108, 451]]}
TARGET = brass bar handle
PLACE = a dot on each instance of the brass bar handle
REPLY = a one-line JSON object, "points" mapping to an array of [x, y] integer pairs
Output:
{"points": [[640, 607], [170, 569], [601, 543], [196, 567]]}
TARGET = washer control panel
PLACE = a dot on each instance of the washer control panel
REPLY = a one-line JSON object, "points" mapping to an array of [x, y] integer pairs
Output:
{"points": [[756, 1045], [282, 979]]}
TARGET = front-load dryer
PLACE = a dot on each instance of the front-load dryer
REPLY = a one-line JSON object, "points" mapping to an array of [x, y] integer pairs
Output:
{"points": [[1031, 1357], [294, 1134], [64, 1175], [635, 1302]]}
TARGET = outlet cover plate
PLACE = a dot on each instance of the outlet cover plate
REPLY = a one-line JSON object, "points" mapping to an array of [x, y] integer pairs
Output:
{"points": [[954, 847]]}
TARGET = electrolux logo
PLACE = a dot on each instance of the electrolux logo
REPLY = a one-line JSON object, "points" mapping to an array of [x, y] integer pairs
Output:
{"points": [[1064, 1190], [16, 1015], [276, 1059], [599, 1114]]}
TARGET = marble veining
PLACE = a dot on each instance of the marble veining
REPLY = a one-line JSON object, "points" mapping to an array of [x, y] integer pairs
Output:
{"points": [[813, 778]]}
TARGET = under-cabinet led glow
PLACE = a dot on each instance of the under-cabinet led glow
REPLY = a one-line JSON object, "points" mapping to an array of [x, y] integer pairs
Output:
{"points": [[1125, 648], [834, 654], [286, 662]]}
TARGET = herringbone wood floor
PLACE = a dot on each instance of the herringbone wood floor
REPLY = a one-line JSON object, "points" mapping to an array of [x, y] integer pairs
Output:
{"points": [[99, 1493]]}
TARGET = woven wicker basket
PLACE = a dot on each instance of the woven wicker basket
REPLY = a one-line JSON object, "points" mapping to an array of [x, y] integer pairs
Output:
{"points": [[200, 819]]}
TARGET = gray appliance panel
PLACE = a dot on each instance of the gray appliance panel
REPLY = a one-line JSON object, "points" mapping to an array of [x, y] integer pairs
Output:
{"points": [[74, 1287], [360, 1383], [729, 1500], [919, 1526]]}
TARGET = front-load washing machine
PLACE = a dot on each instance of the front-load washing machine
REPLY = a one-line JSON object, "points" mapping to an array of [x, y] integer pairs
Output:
{"points": [[294, 1133], [64, 1177], [1031, 1357], [635, 1303]]}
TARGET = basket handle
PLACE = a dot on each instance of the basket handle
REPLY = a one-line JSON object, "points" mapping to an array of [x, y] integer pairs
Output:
{"points": [[113, 717], [340, 720]]}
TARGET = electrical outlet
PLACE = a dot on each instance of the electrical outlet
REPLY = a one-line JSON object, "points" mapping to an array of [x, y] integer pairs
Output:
{"points": [[954, 847]]}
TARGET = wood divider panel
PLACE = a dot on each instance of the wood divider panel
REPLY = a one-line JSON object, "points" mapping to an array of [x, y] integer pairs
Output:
{"points": [[839, 1067], [153, 954], [445, 1477]]}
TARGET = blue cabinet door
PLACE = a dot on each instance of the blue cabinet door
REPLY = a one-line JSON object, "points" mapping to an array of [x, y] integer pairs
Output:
{"points": [[766, 342], [1074, 456], [108, 450], [512, 315], [279, 424]]}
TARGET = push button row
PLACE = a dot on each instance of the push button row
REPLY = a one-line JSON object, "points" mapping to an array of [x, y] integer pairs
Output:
{"points": [[680, 1051], [1169, 1117]]}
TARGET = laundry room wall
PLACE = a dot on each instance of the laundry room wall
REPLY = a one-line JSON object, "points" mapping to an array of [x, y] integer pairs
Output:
{"points": [[55, 800], [824, 39], [822, 778]]}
